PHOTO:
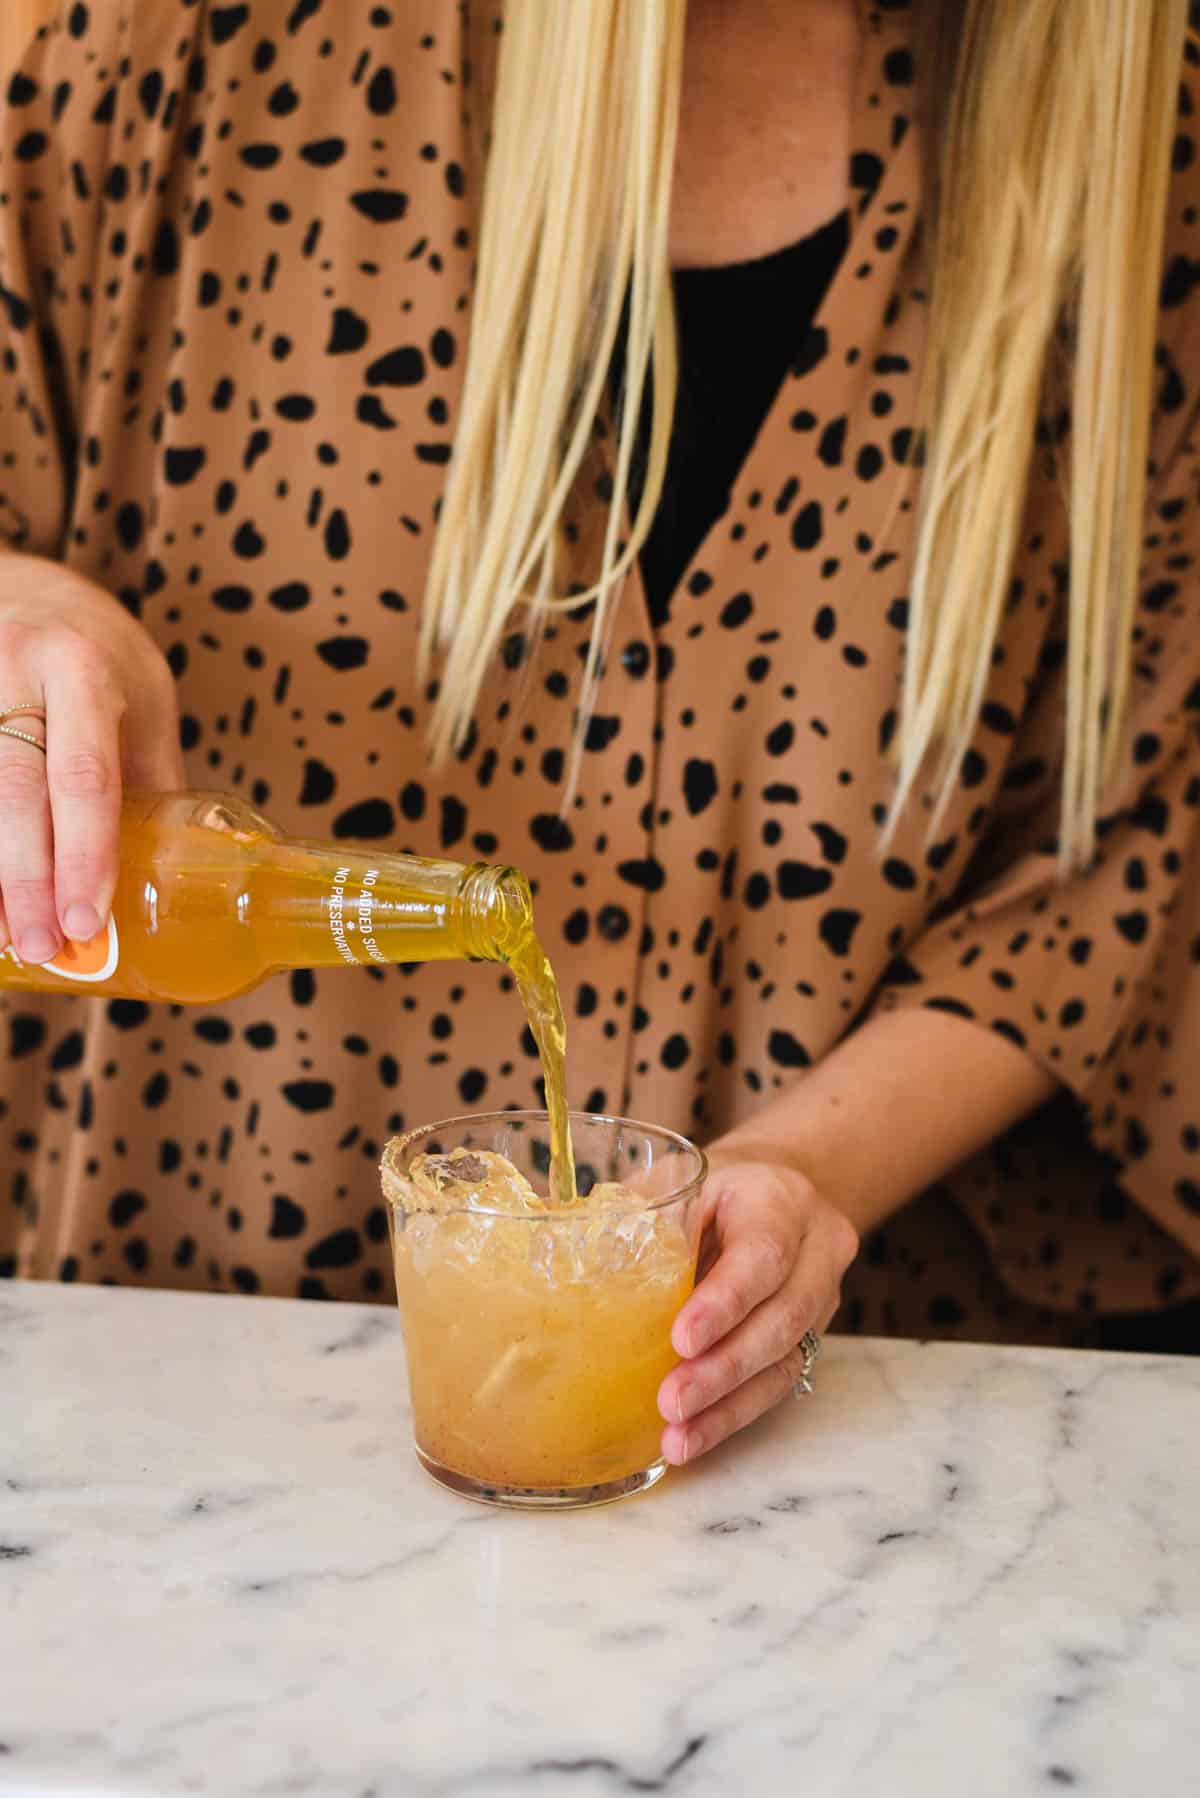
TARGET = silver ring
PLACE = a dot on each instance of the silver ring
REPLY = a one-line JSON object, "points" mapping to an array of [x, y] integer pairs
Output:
{"points": [[22, 736], [810, 1346]]}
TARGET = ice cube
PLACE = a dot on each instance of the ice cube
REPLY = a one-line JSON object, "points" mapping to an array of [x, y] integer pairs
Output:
{"points": [[638, 1232], [438, 1172], [558, 1252], [477, 1178], [612, 1195]]}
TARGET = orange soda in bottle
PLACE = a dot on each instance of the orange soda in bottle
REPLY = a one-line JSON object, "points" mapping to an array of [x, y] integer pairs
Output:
{"points": [[212, 899]]}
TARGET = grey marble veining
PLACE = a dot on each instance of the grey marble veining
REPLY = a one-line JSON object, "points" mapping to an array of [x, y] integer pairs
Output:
{"points": [[953, 1571]]}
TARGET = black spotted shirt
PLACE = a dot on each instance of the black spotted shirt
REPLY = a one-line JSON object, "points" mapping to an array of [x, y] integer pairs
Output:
{"points": [[236, 255]]}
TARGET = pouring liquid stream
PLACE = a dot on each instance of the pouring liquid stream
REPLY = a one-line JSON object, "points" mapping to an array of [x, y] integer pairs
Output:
{"points": [[539, 994]]}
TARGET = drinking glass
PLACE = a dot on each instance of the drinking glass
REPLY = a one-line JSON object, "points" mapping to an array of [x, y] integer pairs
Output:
{"points": [[537, 1339]]}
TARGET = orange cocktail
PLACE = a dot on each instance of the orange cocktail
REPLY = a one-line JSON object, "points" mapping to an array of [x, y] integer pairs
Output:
{"points": [[537, 1334]]}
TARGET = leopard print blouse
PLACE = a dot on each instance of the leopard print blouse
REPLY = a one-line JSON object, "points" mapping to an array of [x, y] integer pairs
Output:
{"points": [[236, 250]]}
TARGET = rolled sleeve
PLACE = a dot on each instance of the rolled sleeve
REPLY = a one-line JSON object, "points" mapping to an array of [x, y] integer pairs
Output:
{"points": [[1098, 976]]}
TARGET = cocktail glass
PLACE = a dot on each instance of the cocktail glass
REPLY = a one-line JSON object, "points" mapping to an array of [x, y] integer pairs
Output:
{"points": [[537, 1337]]}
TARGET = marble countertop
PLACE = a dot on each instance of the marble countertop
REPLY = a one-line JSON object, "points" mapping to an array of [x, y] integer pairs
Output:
{"points": [[952, 1571]]}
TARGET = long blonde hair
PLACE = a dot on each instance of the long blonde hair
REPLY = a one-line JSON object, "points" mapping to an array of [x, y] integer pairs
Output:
{"points": [[1050, 188], [1048, 178], [574, 237]]}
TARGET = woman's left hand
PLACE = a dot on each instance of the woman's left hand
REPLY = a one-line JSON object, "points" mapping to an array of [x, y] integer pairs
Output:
{"points": [[772, 1259]]}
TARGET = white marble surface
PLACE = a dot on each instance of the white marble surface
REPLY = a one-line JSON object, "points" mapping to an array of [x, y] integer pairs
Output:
{"points": [[953, 1571]]}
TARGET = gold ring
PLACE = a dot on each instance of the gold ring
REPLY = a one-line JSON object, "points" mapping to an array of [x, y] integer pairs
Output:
{"points": [[31, 708], [22, 736]]}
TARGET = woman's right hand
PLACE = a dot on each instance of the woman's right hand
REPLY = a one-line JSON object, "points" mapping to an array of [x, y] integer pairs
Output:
{"points": [[111, 720]]}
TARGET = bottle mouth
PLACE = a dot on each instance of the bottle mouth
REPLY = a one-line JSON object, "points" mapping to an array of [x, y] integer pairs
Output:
{"points": [[513, 910], [497, 910]]}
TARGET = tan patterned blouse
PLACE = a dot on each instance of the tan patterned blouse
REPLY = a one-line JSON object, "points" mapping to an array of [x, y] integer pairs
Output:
{"points": [[236, 246]]}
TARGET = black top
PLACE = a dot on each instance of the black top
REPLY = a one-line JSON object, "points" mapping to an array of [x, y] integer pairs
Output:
{"points": [[740, 328]]}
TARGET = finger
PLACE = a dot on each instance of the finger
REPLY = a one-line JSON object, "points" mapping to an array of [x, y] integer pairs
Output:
{"points": [[152, 760], [26, 851], [83, 765], [751, 1269], [150, 753], [686, 1441], [770, 1332], [710, 1241], [5, 938]]}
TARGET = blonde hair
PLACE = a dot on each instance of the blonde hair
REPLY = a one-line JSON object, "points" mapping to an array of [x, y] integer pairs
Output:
{"points": [[1050, 188], [576, 213], [1048, 180]]}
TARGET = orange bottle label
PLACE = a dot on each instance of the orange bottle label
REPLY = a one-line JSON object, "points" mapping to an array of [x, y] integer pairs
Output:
{"points": [[88, 962]]}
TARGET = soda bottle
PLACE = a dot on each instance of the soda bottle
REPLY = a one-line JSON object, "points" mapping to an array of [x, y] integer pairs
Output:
{"points": [[212, 899]]}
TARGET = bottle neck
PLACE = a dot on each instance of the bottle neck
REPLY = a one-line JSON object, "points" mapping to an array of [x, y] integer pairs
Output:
{"points": [[496, 910], [320, 905]]}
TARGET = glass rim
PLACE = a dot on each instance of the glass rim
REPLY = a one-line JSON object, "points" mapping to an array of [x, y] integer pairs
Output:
{"points": [[402, 1143]]}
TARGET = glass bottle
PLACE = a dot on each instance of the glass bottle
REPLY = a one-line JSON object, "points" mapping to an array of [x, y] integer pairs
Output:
{"points": [[212, 899]]}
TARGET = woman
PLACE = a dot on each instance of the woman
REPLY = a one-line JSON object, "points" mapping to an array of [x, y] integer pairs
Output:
{"points": [[20, 21], [255, 287]]}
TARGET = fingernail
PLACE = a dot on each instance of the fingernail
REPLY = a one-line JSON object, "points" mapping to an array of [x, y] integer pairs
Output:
{"points": [[38, 946], [699, 1337], [684, 1403], [82, 923]]}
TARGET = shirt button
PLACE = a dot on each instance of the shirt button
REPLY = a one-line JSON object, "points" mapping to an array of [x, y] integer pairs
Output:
{"points": [[635, 659]]}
